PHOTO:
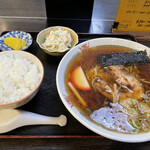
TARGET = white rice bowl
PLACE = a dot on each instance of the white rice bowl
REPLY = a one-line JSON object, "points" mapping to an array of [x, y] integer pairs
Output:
{"points": [[21, 73]]}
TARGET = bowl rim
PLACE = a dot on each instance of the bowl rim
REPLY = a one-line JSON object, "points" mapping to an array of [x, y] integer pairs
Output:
{"points": [[42, 76], [117, 136], [53, 27]]}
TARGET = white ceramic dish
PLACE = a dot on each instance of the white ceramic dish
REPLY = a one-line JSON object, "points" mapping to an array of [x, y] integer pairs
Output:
{"points": [[16, 34], [63, 94], [26, 99]]}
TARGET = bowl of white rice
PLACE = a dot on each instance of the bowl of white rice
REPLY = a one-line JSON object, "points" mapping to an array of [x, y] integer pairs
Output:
{"points": [[20, 78]]}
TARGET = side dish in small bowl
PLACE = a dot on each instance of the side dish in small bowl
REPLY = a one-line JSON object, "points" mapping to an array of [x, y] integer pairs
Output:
{"points": [[15, 40], [105, 84], [20, 78], [57, 40]]}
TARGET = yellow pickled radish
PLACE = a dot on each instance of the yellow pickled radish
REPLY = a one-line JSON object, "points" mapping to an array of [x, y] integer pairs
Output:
{"points": [[23, 42], [15, 43], [12, 42]]}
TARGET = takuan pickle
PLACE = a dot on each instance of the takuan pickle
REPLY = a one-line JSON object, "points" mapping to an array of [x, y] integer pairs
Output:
{"points": [[15, 43]]}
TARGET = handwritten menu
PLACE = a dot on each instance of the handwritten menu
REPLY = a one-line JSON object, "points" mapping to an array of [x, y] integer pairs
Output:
{"points": [[133, 15]]}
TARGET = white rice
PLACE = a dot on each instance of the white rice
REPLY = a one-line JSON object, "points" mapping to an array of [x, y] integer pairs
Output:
{"points": [[18, 78]]}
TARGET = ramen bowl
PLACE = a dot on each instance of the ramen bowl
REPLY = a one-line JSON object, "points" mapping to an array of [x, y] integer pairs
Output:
{"points": [[41, 37], [21, 78], [66, 99]]}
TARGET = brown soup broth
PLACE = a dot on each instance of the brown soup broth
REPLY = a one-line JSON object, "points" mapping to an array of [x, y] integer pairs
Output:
{"points": [[88, 59]]}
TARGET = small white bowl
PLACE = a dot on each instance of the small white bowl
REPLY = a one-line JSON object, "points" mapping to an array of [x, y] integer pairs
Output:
{"points": [[42, 35], [26, 99], [60, 79], [16, 34]]}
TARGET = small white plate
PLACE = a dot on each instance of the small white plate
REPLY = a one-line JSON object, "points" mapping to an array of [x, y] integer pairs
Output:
{"points": [[16, 34]]}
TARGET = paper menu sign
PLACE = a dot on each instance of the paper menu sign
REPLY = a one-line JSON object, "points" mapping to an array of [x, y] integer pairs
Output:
{"points": [[133, 15]]}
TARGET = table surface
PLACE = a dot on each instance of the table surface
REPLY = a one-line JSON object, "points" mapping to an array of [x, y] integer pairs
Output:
{"points": [[63, 143]]}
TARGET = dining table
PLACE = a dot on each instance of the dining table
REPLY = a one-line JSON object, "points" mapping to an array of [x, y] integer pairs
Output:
{"points": [[76, 136]]}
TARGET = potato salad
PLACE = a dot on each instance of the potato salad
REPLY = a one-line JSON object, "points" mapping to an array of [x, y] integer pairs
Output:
{"points": [[58, 40]]}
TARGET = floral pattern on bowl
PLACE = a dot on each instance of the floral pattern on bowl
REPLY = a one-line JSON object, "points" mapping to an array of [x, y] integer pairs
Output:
{"points": [[16, 34]]}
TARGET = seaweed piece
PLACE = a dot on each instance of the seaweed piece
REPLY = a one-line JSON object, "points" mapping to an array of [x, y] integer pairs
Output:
{"points": [[123, 58]]}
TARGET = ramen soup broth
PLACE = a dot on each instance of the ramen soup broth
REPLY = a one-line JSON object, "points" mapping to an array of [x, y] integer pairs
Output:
{"points": [[128, 114]]}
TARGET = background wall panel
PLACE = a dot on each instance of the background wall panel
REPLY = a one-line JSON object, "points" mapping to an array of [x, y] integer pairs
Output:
{"points": [[22, 8]]}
